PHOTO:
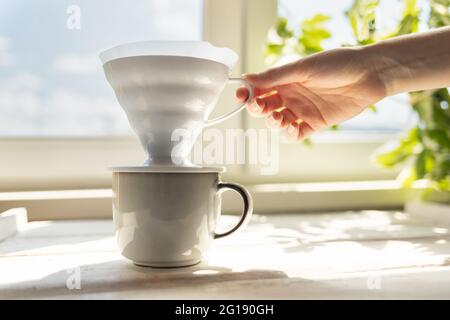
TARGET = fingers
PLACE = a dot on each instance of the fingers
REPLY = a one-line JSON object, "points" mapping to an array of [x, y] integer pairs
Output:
{"points": [[268, 104], [303, 104], [290, 107], [265, 105], [294, 131], [281, 119], [297, 132], [242, 93], [276, 76], [264, 83], [282, 115], [257, 107]]}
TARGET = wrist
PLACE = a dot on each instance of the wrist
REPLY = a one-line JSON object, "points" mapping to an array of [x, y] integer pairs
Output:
{"points": [[383, 66]]}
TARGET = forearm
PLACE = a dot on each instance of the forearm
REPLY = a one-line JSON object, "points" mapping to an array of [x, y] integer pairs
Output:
{"points": [[413, 62]]}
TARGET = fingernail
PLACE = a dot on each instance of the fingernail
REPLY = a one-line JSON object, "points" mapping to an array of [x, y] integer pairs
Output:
{"points": [[291, 133], [260, 103], [273, 123], [254, 107], [291, 130]]}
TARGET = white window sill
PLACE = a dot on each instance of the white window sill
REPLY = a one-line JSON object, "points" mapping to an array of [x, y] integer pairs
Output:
{"points": [[268, 198]]}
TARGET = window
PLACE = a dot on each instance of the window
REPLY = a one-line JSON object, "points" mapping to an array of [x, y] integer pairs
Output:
{"points": [[51, 81], [61, 127]]}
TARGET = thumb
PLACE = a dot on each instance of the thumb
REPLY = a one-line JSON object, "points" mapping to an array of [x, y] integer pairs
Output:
{"points": [[275, 76]]}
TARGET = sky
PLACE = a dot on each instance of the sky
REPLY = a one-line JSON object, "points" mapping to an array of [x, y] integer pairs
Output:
{"points": [[51, 80]]}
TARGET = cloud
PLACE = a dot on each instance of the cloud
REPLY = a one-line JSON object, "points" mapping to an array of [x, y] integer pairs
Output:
{"points": [[73, 113], [21, 81], [20, 104], [23, 104], [18, 113], [27, 110], [6, 57], [77, 64], [5, 43], [166, 28], [62, 113], [75, 104]]}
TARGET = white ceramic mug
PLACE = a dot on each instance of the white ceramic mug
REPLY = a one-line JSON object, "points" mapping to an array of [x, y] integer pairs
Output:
{"points": [[168, 217]]}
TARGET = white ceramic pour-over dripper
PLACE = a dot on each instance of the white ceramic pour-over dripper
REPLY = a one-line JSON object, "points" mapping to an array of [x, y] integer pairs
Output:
{"points": [[168, 89]]}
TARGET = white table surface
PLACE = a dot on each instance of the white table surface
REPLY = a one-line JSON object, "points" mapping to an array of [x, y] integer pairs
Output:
{"points": [[362, 255]]}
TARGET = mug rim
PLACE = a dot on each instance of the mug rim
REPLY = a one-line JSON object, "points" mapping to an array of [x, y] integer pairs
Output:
{"points": [[166, 169]]}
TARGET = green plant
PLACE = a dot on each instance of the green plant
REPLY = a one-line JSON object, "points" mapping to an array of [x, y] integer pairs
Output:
{"points": [[425, 150]]}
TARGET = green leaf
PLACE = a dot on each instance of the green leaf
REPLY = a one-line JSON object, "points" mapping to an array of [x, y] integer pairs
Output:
{"points": [[442, 167], [420, 165], [410, 20], [444, 184], [392, 158], [282, 29], [410, 178], [424, 163], [441, 118], [373, 108], [318, 19], [335, 127], [439, 13], [307, 142], [441, 137], [274, 49], [362, 20], [313, 33], [409, 24], [403, 151]]}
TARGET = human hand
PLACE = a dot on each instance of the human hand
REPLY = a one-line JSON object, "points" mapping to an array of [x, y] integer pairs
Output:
{"points": [[315, 92]]}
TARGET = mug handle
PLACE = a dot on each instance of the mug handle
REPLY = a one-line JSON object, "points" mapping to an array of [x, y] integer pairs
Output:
{"points": [[238, 109], [248, 206]]}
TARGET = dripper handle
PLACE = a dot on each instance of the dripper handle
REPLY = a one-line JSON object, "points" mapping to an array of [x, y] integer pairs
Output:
{"points": [[238, 109]]}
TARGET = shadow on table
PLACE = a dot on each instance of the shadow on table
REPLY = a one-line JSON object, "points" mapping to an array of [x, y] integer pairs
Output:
{"points": [[369, 228], [121, 275]]}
